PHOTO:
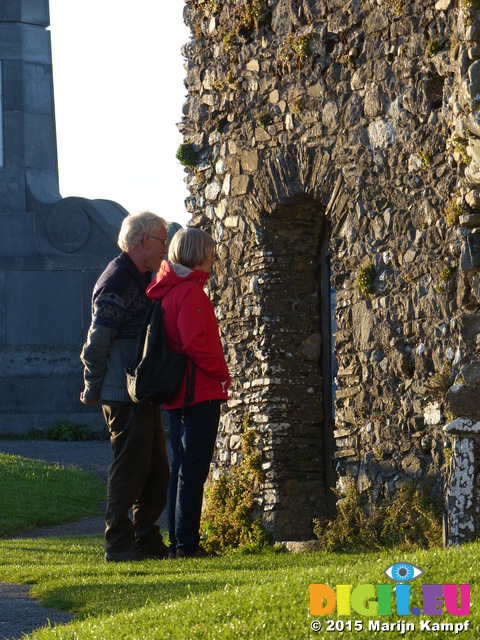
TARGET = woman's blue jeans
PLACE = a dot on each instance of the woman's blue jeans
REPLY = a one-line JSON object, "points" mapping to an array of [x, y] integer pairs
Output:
{"points": [[193, 443]]}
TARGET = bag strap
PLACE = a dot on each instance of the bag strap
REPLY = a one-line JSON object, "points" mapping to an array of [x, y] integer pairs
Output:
{"points": [[143, 333], [189, 389]]}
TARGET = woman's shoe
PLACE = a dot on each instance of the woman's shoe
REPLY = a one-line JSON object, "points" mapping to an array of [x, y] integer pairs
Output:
{"points": [[198, 553]]}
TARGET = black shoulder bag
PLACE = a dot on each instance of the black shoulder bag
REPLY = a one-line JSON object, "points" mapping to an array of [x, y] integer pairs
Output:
{"points": [[157, 373]]}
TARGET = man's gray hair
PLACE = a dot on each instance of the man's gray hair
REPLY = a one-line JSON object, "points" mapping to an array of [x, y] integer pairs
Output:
{"points": [[190, 247], [138, 225]]}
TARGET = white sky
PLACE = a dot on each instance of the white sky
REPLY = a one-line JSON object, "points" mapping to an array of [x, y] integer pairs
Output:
{"points": [[118, 81]]}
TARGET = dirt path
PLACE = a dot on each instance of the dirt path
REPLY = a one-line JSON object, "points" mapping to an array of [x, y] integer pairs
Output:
{"points": [[19, 612]]}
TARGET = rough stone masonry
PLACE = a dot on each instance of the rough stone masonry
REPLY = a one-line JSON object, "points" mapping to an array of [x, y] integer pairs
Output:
{"points": [[337, 145]]}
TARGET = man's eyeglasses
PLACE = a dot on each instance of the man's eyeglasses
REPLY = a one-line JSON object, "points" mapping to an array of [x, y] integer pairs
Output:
{"points": [[164, 242]]}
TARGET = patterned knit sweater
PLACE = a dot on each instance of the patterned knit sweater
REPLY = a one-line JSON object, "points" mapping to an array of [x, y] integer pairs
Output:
{"points": [[119, 306]]}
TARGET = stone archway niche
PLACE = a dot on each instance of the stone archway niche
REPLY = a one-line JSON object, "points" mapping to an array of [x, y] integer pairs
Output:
{"points": [[297, 349], [274, 308]]}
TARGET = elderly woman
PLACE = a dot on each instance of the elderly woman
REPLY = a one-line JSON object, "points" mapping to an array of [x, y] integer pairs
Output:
{"points": [[191, 328]]}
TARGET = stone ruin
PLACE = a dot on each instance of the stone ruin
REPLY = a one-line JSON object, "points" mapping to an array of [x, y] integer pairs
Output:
{"points": [[337, 165]]}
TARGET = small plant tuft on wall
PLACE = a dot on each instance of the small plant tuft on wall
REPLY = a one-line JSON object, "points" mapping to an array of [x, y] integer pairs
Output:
{"points": [[426, 158], [211, 7], [475, 4], [252, 12], [295, 103], [458, 145], [437, 385], [244, 19], [229, 41], [296, 48], [447, 454], [447, 273], [397, 6], [265, 120], [365, 279], [452, 212], [432, 48], [187, 155]]}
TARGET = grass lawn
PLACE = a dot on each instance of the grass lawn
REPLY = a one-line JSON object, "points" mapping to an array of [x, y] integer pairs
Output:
{"points": [[34, 493], [241, 596]]}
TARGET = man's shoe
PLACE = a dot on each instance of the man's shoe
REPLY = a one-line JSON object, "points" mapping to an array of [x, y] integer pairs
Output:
{"points": [[132, 554], [198, 553], [156, 551]]}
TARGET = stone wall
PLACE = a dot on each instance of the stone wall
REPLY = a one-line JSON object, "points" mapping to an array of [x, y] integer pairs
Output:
{"points": [[339, 140]]}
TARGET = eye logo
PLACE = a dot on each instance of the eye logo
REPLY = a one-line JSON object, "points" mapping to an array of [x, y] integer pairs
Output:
{"points": [[403, 572]]}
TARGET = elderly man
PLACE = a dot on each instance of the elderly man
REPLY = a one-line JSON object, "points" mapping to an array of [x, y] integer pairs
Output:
{"points": [[138, 476]]}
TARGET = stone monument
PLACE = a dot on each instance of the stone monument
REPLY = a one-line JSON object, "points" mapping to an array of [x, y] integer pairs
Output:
{"points": [[52, 249]]}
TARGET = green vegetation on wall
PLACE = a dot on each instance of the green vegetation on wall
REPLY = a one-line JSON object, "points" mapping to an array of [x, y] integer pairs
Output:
{"points": [[231, 519], [409, 520], [187, 155]]}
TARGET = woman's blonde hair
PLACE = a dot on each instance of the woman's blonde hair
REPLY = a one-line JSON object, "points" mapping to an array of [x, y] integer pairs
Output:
{"points": [[190, 247], [138, 225]]}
